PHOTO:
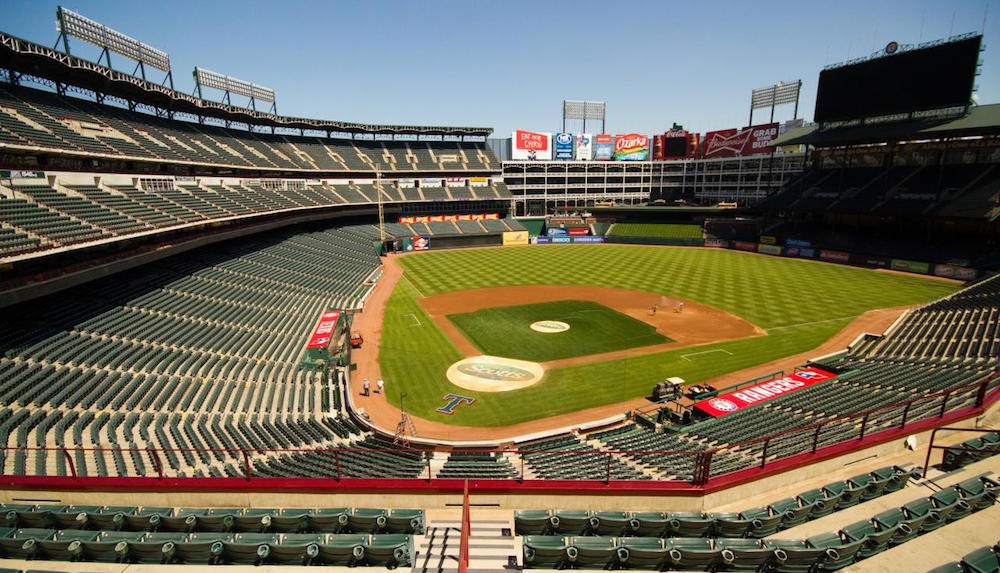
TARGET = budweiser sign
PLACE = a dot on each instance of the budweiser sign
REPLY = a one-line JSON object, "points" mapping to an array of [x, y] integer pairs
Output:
{"points": [[631, 147], [324, 330], [749, 141]]}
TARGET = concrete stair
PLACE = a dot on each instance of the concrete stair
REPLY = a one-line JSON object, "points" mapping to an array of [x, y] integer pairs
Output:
{"points": [[490, 550]]}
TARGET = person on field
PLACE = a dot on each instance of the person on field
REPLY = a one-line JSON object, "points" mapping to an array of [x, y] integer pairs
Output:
{"points": [[654, 310], [365, 387], [379, 386]]}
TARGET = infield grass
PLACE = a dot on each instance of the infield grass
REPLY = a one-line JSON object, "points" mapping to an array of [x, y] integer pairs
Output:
{"points": [[594, 328], [800, 304]]}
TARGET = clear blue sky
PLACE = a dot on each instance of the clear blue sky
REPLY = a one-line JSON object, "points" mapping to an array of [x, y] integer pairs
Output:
{"points": [[507, 64]]}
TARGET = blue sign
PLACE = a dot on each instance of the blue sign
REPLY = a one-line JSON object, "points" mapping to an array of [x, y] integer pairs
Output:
{"points": [[564, 146], [557, 232], [566, 239], [588, 239], [797, 243]]}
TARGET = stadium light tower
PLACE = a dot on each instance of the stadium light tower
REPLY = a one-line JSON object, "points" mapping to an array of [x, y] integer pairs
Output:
{"points": [[772, 96], [574, 109], [70, 23], [229, 85]]}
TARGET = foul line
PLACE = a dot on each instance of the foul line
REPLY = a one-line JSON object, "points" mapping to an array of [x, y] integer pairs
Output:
{"points": [[685, 356], [415, 319], [409, 282], [837, 319]]}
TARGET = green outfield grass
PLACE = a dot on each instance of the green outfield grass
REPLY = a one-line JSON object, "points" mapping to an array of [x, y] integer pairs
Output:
{"points": [[594, 328], [800, 304]]}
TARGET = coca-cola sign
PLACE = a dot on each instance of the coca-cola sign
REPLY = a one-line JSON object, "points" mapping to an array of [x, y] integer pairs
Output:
{"points": [[631, 147], [747, 141]]}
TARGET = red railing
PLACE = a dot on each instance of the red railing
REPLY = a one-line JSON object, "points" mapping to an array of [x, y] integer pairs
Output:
{"points": [[463, 549], [872, 426]]}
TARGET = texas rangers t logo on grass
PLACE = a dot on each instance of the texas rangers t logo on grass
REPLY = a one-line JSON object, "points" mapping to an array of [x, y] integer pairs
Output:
{"points": [[453, 401]]}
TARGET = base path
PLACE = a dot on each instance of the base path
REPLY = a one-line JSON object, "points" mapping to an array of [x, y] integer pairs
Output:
{"points": [[386, 416], [696, 324]]}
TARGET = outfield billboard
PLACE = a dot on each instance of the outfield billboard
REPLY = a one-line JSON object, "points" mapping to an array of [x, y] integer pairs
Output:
{"points": [[563, 146], [631, 147], [762, 392], [910, 266], [768, 249], [736, 142], [604, 146], [531, 145], [515, 238], [584, 147]]}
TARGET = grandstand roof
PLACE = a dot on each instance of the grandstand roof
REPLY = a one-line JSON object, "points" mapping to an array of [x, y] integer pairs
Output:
{"points": [[981, 120], [33, 59]]}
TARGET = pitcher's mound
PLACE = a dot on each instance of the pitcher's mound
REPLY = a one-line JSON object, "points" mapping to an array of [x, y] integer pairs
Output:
{"points": [[494, 373]]}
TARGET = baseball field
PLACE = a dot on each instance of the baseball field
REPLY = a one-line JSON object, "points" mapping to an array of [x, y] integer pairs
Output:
{"points": [[763, 309]]}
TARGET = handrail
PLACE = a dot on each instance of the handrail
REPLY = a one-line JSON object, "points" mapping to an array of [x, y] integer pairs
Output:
{"points": [[463, 549], [961, 447]]}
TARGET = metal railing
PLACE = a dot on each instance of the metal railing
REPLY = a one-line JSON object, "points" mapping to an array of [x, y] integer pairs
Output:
{"points": [[959, 448]]}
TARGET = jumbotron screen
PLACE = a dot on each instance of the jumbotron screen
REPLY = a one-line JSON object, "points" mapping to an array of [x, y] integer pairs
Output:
{"points": [[929, 78]]}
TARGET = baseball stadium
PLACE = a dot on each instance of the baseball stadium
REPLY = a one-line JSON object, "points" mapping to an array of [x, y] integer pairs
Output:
{"points": [[250, 341]]}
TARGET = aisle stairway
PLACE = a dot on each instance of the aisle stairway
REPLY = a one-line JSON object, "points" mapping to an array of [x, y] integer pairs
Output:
{"points": [[489, 548]]}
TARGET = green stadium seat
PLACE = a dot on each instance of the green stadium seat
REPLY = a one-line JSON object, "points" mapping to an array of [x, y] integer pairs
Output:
{"points": [[688, 524], [744, 554], [839, 552], [795, 556], [982, 560], [979, 492], [389, 550], [642, 553], [649, 524], [406, 521], [156, 547], [532, 521], [949, 502], [368, 520], [591, 552], [906, 526], [544, 551], [346, 550], [608, 523], [570, 521], [328, 520], [692, 553], [202, 548], [875, 539], [111, 546], [793, 513], [729, 525], [23, 543], [762, 521], [66, 545]]}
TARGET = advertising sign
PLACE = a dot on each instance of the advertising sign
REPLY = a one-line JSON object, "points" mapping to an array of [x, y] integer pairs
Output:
{"points": [[430, 182], [801, 252], [604, 146], [716, 243], [588, 239], [578, 231], [768, 240], [631, 147], [584, 147], [834, 256], [748, 141], [515, 238], [910, 266], [745, 246], [324, 329], [564, 146], [762, 392], [797, 243], [421, 243], [531, 145], [557, 232], [768, 249]]}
